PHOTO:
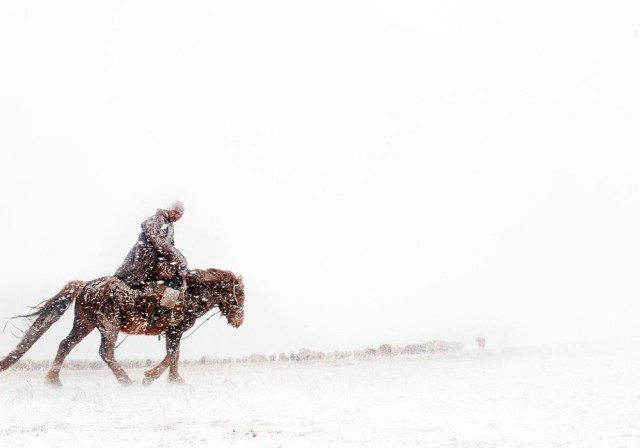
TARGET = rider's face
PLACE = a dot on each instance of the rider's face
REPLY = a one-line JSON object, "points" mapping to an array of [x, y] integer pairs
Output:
{"points": [[174, 215]]}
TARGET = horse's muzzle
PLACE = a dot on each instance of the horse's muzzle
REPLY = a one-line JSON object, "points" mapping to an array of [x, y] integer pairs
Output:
{"points": [[235, 321]]}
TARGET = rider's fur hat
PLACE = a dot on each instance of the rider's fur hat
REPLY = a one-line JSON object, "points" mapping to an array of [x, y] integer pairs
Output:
{"points": [[177, 206]]}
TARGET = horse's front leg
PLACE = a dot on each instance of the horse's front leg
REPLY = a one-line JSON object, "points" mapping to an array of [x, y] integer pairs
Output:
{"points": [[173, 346], [170, 360]]}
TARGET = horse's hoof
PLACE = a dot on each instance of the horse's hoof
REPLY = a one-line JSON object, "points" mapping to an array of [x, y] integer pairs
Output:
{"points": [[125, 382], [52, 383], [146, 382], [177, 380]]}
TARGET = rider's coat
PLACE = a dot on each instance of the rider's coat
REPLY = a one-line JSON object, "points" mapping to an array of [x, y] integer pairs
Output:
{"points": [[155, 244]]}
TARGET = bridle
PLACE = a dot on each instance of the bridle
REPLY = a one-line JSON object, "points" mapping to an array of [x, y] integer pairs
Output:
{"points": [[235, 304]]}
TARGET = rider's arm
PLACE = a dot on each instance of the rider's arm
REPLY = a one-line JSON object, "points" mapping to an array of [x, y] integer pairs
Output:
{"points": [[153, 230]]}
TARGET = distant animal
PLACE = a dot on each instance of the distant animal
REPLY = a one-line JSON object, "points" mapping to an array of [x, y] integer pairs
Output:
{"points": [[111, 306], [481, 342]]}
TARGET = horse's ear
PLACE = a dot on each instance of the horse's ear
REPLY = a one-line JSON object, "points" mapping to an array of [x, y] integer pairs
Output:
{"points": [[240, 278]]}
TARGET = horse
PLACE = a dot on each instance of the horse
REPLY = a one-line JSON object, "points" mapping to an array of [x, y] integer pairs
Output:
{"points": [[112, 306], [481, 342]]}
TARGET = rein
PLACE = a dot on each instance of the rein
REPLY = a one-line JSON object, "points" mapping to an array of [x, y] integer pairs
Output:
{"points": [[196, 329], [120, 343]]}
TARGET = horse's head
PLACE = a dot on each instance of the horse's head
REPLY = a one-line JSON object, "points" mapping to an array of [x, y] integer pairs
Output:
{"points": [[226, 290], [233, 306]]}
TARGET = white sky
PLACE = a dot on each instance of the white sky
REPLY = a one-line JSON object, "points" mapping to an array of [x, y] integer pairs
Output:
{"points": [[378, 171]]}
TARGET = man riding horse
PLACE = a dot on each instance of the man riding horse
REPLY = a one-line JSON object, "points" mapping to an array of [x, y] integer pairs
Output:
{"points": [[128, 302], [154, 264]]}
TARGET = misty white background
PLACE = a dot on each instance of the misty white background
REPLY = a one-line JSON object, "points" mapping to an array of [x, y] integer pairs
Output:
{"points": [[378, 171]]}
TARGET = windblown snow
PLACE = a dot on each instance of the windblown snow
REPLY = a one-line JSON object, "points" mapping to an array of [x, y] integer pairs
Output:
{"points": [[570, 396]]}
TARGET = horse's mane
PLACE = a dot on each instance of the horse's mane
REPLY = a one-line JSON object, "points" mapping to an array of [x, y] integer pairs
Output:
{"points": [[211, 275]]}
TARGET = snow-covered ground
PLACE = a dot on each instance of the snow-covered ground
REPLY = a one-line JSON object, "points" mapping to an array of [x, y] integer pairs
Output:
{"points": [[577, 396]]}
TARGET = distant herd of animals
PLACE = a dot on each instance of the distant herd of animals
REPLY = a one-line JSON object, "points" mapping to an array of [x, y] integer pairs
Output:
{"points": [[302, 355], [384, 350]]}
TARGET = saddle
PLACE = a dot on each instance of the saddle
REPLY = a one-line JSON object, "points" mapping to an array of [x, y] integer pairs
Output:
{"points": [[168, 305]]}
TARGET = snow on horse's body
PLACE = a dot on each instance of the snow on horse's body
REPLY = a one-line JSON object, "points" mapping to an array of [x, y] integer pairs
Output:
{"points": [[111, 306]]}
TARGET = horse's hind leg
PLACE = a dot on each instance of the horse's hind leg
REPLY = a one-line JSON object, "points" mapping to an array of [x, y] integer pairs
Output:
{"points": [[79, 331], [107, 349]]}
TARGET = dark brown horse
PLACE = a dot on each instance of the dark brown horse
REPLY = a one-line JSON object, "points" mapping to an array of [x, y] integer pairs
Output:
{"points": [[111, 306]]}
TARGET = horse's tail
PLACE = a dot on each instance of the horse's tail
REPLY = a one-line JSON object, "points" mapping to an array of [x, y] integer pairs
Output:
{"points": [[45, 315]]}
